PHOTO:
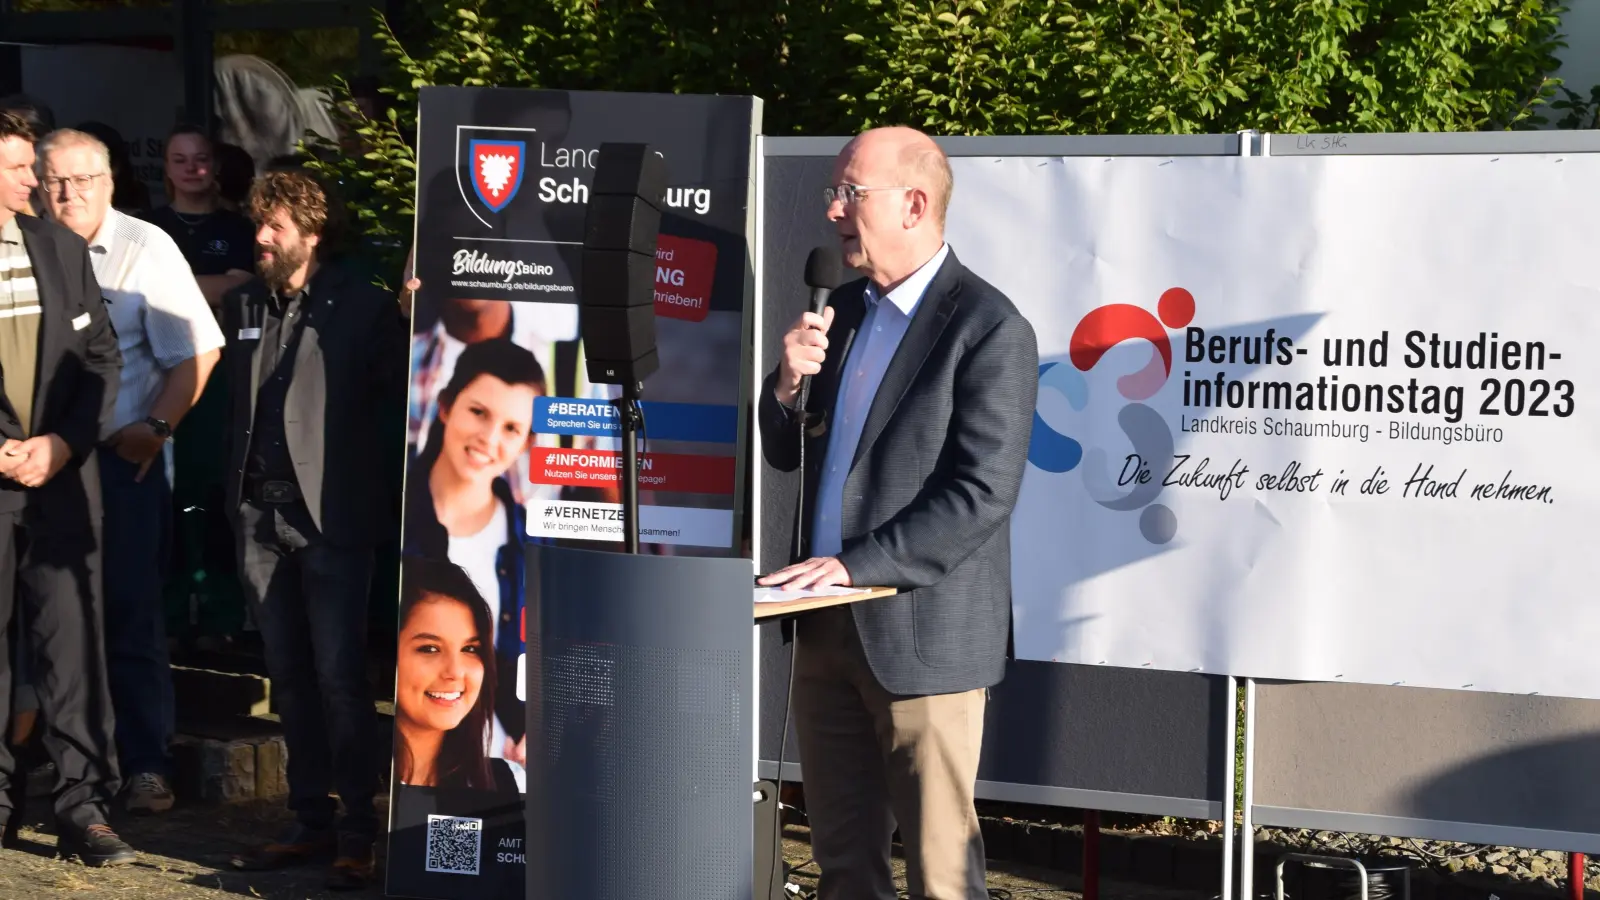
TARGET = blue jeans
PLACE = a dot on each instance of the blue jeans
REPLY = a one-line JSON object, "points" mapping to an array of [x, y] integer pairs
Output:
{"points": [[138, 545], [310, 602]]}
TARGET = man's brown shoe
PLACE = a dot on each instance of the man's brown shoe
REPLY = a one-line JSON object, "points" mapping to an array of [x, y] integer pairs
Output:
{"points": [[96, 846], [297, 844], [354, 868]]}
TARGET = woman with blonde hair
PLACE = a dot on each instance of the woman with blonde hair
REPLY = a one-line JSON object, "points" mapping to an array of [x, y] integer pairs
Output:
{"points": [[217, 242], [219, 245]]}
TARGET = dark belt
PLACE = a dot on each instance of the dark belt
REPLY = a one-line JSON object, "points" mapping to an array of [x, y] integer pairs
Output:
{"points": [[268, 490]]}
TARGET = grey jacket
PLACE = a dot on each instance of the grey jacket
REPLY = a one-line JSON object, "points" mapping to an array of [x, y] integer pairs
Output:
{"points": [[349, 378], [928, 501]]}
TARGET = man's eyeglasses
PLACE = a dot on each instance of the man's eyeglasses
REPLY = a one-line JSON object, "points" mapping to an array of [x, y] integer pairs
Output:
{"points": [[80, 183], [850, 193]]}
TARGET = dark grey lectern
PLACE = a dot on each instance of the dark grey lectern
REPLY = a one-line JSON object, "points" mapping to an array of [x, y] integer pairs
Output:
{"points": [[640, 673]]}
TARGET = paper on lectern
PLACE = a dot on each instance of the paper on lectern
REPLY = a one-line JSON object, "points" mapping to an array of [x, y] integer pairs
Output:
{"points": [[774, 595]]}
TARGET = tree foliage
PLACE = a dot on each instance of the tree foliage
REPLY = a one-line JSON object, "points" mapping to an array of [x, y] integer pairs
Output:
{"points": [[979, 67]]}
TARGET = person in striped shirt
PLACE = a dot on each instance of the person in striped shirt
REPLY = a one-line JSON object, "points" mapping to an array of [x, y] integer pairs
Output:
{"points": [[59, 366]]}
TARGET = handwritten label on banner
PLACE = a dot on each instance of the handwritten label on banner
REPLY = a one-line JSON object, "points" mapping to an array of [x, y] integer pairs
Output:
{"points": [[677, 472], [663, 421], [685, 271]]}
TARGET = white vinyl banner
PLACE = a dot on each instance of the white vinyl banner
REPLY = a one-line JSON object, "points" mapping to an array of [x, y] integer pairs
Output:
{"points": [[1311, 418]]}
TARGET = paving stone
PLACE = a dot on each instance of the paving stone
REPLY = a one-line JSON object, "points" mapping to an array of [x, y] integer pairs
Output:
{"points": [[272, 775], [211, 771]]}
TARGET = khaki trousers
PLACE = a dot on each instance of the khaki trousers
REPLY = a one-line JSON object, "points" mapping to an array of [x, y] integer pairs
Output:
{"points": [[872, 759]]}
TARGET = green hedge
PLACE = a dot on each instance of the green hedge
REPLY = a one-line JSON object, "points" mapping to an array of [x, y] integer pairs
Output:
{"points": [[974, 67]]}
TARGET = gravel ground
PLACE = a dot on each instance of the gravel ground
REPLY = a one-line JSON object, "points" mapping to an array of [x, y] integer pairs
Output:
{"points": [[1526, 866], [1520, 864], [183, 855], [1006, 880]]}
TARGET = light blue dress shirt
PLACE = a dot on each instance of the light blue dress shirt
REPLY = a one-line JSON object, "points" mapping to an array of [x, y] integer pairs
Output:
{"points": [[881, 330]]}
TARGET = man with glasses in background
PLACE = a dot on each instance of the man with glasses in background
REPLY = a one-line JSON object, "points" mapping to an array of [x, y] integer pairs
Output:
{"points": [[170, 341]]}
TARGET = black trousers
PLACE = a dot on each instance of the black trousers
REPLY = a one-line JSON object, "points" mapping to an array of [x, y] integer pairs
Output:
{"points": [[310, 603], [55, 578]]}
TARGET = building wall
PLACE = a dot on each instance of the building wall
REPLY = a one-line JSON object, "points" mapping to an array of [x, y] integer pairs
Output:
{"points": [[139, 92], [1580, 61]]}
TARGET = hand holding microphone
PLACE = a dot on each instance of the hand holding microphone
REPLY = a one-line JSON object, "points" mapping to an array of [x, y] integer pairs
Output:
{"points": [[805, 345], [805, 348]]}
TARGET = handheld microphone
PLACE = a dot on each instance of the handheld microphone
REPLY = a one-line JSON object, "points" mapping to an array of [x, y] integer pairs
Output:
{"points": [[824, 272]]}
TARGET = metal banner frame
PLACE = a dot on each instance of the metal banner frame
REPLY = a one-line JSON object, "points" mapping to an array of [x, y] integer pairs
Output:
{"points": [[1494, 730]]}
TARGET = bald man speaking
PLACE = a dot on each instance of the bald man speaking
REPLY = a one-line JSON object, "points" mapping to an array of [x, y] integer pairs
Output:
{"points": [[917, 428]]}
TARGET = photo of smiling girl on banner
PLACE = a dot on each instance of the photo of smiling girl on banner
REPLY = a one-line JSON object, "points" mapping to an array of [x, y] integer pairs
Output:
{"points": [[460, 502], [445, 683]]}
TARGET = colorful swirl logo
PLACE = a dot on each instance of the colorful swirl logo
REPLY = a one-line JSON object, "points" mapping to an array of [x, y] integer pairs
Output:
{"points": [[1096, 333]]}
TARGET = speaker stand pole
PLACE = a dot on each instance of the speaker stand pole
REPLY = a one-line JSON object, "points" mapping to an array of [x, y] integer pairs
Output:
{"points": [[628, 412]]}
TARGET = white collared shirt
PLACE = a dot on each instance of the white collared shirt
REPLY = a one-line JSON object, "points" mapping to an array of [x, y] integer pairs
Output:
{"points": [[155, 305], [881, 330]]}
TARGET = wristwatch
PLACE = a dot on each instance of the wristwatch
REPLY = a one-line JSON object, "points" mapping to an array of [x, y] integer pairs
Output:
{"points": [[160, 427]]}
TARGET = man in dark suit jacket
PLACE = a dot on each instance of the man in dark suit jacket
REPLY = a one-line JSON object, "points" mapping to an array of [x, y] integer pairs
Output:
{"points": [[58, 388], [917, 429], [317, 365]]}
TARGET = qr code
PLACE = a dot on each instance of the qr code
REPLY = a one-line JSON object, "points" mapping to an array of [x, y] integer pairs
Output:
{"points": [[454, 845]]}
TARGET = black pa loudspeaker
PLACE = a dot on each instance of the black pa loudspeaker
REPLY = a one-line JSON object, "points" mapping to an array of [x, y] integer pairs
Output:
{"points": [[618, 273]]}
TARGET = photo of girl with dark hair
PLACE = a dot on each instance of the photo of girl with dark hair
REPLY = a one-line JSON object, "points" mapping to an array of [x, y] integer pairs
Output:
{"points": [[460, 505], [445, 679]]}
